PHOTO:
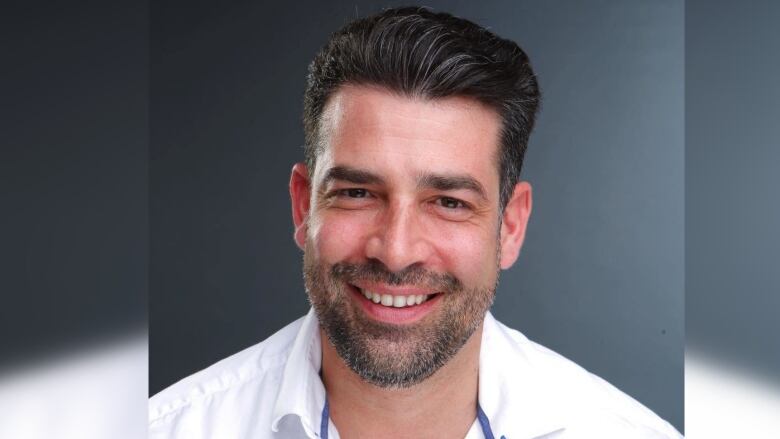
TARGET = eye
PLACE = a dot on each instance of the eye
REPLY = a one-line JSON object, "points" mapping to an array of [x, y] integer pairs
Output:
{"points": [[452, 209], [354, 193], [450, 203]]}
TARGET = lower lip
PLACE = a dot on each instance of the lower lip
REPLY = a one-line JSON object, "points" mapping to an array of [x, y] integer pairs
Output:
{"points": [[398, 316]]}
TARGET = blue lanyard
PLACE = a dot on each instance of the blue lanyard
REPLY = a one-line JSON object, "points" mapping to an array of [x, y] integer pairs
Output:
{"points": [[481, 417]]}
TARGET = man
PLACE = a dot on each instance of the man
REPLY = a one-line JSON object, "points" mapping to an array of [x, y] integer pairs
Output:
{"points": [[407, 207]]}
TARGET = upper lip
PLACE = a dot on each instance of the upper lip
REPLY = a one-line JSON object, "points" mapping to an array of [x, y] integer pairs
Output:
{"points": [[402, 290]]}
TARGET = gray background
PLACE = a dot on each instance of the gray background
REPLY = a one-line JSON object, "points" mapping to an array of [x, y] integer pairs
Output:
{"points": [[73, 169], [732, 176], [601, 275]]}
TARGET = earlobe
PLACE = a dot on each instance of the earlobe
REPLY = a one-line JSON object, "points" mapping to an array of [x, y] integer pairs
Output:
{"points": [[514, 223], [300, 193]]}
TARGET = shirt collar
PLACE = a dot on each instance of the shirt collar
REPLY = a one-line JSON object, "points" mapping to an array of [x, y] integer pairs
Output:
{"points": [[512, 392], [513, 395], [301, 392]]}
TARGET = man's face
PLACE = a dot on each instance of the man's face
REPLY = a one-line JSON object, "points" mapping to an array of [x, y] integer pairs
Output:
{"points": [[401, 229]]}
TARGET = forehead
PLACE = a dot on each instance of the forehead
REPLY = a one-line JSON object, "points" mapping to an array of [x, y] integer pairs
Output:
{"points": [[372, 128]]}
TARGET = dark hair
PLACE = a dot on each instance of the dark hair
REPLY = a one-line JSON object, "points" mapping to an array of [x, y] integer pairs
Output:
{"points": [[416, 52]]}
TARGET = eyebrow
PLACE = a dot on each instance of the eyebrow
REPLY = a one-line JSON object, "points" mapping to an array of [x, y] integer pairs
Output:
{"points": [[452, 182], [351, 175], [441, 182]]}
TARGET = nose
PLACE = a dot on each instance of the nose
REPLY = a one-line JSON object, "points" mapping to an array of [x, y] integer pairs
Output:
{"points": [[399, 240]]}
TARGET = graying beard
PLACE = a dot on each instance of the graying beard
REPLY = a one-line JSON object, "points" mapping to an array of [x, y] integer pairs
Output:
{"points": [[357, 355], [354, 347]]}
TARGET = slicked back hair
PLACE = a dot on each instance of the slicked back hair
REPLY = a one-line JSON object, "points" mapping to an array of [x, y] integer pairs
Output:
{"points": [[419, 53]]}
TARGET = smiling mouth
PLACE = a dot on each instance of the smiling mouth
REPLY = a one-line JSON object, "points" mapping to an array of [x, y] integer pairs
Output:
{"points": [[395, 301]]}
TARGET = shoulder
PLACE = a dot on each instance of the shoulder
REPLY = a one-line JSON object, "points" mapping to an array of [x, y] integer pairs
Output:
{"points": [[256, 371], [587, 405]]}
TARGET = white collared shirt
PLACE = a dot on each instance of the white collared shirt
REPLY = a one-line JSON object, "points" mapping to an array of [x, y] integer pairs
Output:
{"points": [[273, 390]]}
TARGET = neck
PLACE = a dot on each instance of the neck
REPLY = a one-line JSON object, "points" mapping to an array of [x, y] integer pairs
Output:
{"points": [[444, 405]]}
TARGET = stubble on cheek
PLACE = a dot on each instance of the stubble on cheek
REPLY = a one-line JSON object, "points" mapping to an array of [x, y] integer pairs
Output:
{"points": [[384, 354]]}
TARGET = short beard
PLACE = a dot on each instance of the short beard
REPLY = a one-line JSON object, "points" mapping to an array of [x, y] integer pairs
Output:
{"points": [[387, 355]]}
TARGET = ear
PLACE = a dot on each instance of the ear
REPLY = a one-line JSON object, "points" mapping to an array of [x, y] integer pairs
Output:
{"points": [[514, 223], [300, 193]]}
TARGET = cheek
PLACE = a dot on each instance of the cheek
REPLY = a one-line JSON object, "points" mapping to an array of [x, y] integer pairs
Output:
{"points": [[338, 237], [468, 251]]}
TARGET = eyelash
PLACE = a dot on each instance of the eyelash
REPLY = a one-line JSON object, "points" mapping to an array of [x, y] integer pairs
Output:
{"points": [[360, 193], [458, 203], [350, 192]]}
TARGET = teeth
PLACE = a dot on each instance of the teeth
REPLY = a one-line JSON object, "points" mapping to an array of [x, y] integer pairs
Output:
{"points": [[395, 301]]}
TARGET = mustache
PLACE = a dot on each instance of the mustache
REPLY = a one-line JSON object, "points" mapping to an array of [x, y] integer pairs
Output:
{"points": [[375, 271]]}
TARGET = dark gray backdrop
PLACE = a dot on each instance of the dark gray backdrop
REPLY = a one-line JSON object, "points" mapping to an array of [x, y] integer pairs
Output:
{"points": [[601, 276], [73, 163], [732, 176]]}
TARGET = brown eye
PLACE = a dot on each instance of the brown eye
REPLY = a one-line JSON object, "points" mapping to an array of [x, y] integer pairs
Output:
{"points": [[355, 193], [450, 203]]}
